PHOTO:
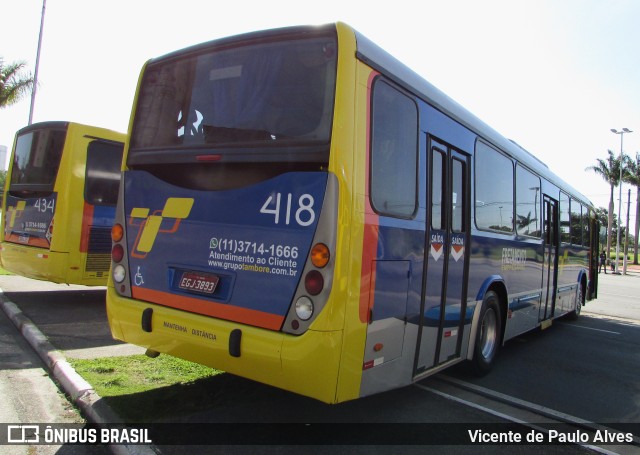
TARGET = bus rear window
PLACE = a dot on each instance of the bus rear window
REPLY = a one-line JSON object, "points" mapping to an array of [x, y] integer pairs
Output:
{"points": [[37, 159], [248, 94]]}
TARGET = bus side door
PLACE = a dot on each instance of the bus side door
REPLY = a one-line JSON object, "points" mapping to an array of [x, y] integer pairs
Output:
{"points": [[444, 292]]}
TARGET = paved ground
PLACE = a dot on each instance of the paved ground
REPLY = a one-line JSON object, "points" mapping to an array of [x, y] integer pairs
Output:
{"points": [[81, 333], [59, 346]]}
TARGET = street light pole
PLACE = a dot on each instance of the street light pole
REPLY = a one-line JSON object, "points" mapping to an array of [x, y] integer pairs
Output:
{"points": [[35, 75], [621, 133]]}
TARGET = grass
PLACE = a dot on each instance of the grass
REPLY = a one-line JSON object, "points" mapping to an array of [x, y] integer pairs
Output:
{"points": [[139, 388], [114, 376], [4, 272]]}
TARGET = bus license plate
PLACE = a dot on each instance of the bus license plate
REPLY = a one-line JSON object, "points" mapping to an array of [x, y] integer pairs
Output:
{"points": [[202, 283]]}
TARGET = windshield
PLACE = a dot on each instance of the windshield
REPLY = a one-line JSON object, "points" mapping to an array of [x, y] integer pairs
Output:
{"points": [[37, 158], [250, 93]]}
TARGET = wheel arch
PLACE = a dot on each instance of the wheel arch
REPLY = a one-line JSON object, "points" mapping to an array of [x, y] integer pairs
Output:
{"points": [[496, 284], [582, 282]]}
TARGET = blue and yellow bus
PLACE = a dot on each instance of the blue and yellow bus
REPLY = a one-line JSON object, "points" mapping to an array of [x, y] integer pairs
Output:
{"points": [[59, 204], [299, 208]]}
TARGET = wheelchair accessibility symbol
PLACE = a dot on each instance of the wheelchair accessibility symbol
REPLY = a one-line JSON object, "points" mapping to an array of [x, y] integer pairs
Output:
{"points": [[138, 280]]}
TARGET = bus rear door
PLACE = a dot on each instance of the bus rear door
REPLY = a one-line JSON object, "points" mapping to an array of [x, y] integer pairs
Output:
{"points": [[444, 291], [550, 261], [594, 242]]}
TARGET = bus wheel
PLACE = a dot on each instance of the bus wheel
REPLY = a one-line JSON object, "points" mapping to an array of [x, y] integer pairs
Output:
{"points": [[488, 334], [579, 301]]}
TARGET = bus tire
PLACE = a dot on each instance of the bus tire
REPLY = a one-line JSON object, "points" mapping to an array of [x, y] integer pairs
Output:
{"points": [[488, 335], [573, 316]]}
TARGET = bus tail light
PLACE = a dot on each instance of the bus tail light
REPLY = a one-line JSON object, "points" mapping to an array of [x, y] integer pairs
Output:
{"points": [[304, 308], [117, 253], [119, 273], [117, 232], [320, 255], [314, 282], [49, 233]]}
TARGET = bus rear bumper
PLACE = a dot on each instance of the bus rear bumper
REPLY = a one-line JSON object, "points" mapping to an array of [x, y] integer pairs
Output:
{"points": [[36, 263], [307, 364]]}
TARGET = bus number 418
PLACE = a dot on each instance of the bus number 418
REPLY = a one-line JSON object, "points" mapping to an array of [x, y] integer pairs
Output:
{"points": [[304, 214]]}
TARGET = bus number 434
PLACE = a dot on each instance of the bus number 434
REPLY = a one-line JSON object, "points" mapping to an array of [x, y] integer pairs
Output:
{"points": [[283, 207], [43, 205]]}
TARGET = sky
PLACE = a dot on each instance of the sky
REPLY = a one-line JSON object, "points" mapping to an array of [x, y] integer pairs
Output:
{"points": [[554, 75]]}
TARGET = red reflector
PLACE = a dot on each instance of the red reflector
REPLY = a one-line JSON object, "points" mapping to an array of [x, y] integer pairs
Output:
{"points": [[117, 253], [313, 282], [209, 158]]}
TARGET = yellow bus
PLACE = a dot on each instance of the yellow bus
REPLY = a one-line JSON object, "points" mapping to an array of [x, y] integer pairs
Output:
{"points": [[299, 208], [59, 202]]}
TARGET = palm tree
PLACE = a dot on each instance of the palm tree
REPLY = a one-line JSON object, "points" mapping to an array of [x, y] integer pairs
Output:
{"points": [[524, 222], [609, 170], [631, 175], [13, 84], [601, 215]]}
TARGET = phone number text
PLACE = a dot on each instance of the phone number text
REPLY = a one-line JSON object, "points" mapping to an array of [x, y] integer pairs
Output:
{"points": [[234, 246]]}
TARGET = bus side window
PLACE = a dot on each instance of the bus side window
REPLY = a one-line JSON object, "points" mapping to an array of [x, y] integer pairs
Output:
{"points": [[102, 178], [437, 182], [494, 189], [565, 219], [457, 196], [393, 152]]}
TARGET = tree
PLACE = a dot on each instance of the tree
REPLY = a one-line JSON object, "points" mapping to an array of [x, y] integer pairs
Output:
{"points": [[602, 215], [523, 223], [609, 170], [631, 175], [13, 83]]}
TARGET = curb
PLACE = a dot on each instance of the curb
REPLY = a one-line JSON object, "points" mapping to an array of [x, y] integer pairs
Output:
{"points": [[81, 392]]}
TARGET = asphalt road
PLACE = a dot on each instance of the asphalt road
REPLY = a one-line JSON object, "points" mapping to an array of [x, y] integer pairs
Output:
{"points": [[586, 369]]}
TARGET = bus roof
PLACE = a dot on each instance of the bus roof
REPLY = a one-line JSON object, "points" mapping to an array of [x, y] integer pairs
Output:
{"points": [[43, 125], [388, 65], [64, 125]]}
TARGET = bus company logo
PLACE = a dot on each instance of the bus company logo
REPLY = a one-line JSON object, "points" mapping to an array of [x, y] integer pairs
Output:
{"points": [[514, 258], [150, 225], [15, 212]]}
